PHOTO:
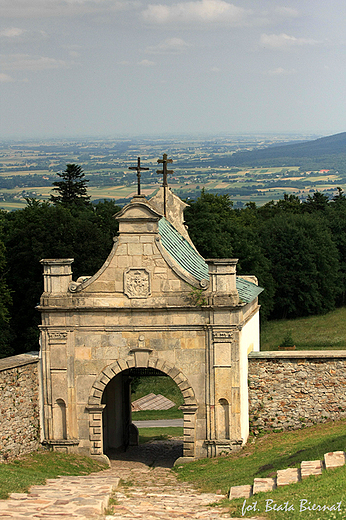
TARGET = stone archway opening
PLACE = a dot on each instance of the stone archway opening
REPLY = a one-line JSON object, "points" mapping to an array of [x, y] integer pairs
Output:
{"points": [[112, 431], [130, 433]]}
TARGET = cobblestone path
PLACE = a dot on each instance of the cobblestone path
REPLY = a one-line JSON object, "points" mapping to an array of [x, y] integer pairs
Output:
{"points": [[75, 498], [148, 490]]}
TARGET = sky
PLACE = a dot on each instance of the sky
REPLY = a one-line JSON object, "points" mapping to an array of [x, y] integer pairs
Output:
{"points": [[113, 68]]}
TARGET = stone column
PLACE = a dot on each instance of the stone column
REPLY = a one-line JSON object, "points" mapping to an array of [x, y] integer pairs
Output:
{"points": [[222, 273], [57, 275]]}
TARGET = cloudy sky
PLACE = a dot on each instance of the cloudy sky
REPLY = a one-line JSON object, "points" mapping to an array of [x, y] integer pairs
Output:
{"points": [[71, 68]]}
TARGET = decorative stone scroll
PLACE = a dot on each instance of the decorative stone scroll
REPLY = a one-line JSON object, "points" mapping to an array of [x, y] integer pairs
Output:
{"points": [[137, 283]]}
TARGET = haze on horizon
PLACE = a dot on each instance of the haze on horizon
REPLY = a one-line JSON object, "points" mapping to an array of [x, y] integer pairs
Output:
{"points": [[71, 68]]}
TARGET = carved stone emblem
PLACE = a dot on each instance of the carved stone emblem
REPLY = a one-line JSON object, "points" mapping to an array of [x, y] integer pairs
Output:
{"points": [[137, 283]]}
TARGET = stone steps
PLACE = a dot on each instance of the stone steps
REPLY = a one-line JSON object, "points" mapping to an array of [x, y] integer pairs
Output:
{"points": [[288, 476]]}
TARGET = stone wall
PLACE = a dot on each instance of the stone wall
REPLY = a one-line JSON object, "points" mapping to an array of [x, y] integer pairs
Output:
{"points": [[19, 407], [288, 390]]}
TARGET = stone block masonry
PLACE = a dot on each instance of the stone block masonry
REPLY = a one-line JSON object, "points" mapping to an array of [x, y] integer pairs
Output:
{"points": [[19, 407], [289, 390]]}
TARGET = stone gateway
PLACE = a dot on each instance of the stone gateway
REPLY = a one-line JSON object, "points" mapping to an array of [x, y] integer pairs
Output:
{"points": [[155, 306]]}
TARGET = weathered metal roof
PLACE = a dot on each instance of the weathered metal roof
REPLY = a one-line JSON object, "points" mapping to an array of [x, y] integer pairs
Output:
{"points": [[247, 290], [182, 252], [190, 260]]}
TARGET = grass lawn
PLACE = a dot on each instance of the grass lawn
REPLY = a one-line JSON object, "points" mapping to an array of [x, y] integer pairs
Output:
{"points": [[327, 332], [263, 457], [159, 434], [163, 385], [19, 475]]}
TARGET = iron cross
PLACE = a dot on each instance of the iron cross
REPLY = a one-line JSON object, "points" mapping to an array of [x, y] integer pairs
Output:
{"points": [[164, 170], [138, 168]]}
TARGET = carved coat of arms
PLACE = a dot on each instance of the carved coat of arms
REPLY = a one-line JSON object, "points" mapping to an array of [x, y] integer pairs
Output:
{"points": [[137, 283]]}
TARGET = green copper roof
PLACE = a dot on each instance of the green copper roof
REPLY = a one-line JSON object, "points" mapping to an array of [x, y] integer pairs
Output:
{"points": [[188, 258], [247, 291], [182, 252]]}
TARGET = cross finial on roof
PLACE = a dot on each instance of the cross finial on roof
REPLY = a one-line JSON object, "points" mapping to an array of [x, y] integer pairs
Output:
{"points": [[164, 172], [138, 168]]}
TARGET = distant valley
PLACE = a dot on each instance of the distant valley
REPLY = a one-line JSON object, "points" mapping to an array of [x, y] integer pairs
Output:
{"points": [[249, 168]]}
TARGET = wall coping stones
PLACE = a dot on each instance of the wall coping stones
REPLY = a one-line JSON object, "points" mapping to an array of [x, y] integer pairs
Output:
{"points": [[287, 476], [240, 492], [334, 459], [311, 467], [263, 484], [298, 354], [18, 361], [290, 475]]}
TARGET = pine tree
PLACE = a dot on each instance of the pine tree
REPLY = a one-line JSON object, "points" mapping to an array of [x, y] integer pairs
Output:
{"points": [[72, 188]]}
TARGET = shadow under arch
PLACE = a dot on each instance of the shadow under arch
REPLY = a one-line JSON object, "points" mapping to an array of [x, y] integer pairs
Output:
{"points": [[140, 358]]}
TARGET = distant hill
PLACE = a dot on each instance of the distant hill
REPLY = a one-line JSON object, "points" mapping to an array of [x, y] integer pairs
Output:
{"points": [[326, 152]]}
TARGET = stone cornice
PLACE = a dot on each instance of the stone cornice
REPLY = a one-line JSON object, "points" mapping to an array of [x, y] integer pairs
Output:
{"points": [[298, 354]]}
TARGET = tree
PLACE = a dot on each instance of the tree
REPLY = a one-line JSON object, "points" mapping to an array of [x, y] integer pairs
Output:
{"points": [[5, 301], [208, 220], [72, 189], [44, 231], [305, 265]]}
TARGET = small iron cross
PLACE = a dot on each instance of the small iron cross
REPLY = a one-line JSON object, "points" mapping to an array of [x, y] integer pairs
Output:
{"points": [[164, 170], [138, 168]]}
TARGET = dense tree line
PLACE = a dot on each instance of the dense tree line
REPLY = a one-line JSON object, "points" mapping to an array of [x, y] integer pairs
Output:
{"points": [[296, 249], [67, 227]]}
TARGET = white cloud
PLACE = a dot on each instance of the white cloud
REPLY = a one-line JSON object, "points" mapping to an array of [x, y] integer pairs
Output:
{"points": [[286, 12], [11, 32], [53, 8], [5, 78], [284, 41], [33, 63], [215, 69], [202, 11], [169, 46], [18, 35], [280, 71], [146, 63]]}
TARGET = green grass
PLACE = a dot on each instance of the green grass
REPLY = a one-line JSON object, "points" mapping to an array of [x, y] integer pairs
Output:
{"points": [[325, 332], [327, 489], [159, 434], [264, 456], [163, 385], [19, 475], [153, 415]]}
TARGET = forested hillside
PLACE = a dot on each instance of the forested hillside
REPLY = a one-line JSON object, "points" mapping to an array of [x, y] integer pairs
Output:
{"points": [[296, 249], [327, 153]]}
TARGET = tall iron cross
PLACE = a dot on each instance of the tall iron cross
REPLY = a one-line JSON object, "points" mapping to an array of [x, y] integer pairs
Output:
{"points": [[138, 168], [164, 172]]}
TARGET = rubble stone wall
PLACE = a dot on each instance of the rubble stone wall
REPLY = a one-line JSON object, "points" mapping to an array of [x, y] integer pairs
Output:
{"points": [[291, 390], [19, 406]]}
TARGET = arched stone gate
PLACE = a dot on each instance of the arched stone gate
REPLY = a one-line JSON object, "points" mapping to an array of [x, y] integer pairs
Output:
{"points": [[155, 303], [140, 359]]}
